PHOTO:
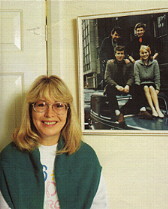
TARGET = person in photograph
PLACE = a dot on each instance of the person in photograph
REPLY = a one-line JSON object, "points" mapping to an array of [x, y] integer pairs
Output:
{"points": [[48, 165], [147, 80], [119, 79], [107, 49], [141, 38]]}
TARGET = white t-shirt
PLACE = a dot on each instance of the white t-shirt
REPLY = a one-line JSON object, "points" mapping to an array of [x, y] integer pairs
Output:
{"points": [[47, 158], [3, 203]]}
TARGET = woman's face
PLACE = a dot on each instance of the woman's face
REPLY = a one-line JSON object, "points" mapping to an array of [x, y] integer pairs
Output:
{"points": [[144, 54], [49, 118]]}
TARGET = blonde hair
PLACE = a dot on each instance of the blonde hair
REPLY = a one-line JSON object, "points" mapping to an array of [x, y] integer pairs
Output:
{"points": [[26, 136]]}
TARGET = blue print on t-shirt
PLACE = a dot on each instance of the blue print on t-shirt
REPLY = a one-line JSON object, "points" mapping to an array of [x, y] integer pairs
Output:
{"points": [[45, 173]]}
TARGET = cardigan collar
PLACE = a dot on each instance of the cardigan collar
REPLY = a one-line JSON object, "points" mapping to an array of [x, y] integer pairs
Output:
{"points": [[149, 63], [35, 154]]}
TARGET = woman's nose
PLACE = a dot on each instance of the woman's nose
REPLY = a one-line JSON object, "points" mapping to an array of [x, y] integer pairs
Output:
{"points": [[49, 112]]}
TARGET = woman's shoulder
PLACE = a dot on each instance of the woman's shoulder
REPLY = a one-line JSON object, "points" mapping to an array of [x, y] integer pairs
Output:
{"points": [[11, 152], [86, 148], [86, 152], [84, 157], [138, 62], [14, 158], [155, 61], [8, 149]]}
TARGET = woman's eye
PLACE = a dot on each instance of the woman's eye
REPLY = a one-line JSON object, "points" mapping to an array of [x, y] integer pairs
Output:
{"points": [[40, 104], [59, 105]]}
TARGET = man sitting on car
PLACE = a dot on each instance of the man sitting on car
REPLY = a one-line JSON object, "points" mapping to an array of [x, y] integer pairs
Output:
{"points": [[119, 77]]}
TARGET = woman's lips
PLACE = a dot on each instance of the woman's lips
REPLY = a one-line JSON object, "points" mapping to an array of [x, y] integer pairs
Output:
{"points": [[49, 123]]}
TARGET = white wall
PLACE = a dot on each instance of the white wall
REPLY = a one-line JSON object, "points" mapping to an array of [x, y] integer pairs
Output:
{"points": [[135, 167]]}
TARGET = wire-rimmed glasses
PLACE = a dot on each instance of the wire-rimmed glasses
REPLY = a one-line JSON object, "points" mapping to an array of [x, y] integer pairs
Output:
{"points": [[59, 108]]}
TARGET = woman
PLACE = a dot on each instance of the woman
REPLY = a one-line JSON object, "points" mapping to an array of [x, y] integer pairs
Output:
{"points": [[147, 77], [32, 173]]}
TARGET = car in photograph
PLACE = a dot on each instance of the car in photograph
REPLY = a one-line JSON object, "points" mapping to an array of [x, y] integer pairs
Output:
{"points": [[100, 116]]}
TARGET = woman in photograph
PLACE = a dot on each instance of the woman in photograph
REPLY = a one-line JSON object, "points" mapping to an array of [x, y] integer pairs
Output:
{"points": [[48, 165], [147, 78]]}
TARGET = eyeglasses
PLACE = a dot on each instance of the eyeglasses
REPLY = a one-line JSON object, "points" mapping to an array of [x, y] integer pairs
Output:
{"points": [[58, 107]]}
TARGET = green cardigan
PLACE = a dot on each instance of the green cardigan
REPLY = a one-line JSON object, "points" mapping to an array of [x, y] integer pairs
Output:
{"points": [[22, 181]]}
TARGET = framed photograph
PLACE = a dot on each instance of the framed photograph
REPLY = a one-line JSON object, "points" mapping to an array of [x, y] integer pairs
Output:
{"points": [[108, 44]]}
